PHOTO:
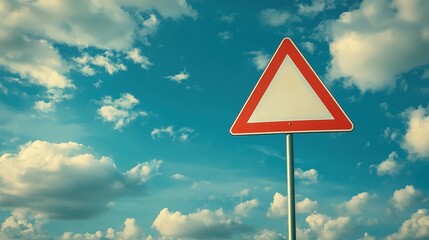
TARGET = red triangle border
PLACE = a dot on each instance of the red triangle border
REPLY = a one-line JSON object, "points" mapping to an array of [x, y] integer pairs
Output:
{"points": [[341, 122]]}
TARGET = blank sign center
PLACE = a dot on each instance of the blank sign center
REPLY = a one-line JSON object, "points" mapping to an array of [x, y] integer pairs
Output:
{"points": [[289, 97]]}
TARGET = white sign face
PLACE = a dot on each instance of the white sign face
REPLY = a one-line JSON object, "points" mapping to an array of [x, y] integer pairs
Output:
{"points": [[289, 97]]}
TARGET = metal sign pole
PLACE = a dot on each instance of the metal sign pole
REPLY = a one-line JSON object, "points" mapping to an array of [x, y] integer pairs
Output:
{"points": [[290, 187]]}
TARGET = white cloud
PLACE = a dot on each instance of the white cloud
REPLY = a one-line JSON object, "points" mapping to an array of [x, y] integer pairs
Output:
{"points": [[143, 172], [77, 23], [363, 39], [244, 193], [389, 166], [309, 46], [179, 77], [303, 234], [157, 133], [306, 206], [63, 21], [357, 202], [43, 106], [278, 207], [391, 134], [327, 228], [174, 9], [316, 221], [110, 61], [225, 35], [23, 225], [131, 231], [200, 185], [135, 55], [119, 111], [29, 31], [204, 224], [87, 70], [34, 60], [267, 234], [416, 139], [53, 96], [403, 198], [67, 180], [309, 177], [417, 227], [105, 60], [334, 228], [78, 236], [260, 59], [179, 177], [276, 18], [316, 7], [244, 208], [182, 134], [150, 26]]}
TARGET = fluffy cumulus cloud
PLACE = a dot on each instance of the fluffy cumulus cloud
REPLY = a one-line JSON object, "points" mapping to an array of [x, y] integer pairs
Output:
{"points": [[107, 60], [267, 234], [174, 9], [309, 46], [110, 62], [417, 227], [130, 231], [179, 177], [327, 228], [278, 207], [66, 180], [305, 206], [136, 56], [179, 77], [390, 166], [316, 7], [308, 177], [34, 60], [183, 134], [259, 59], [77, 23], [43, 106], [363, 39], [275, 18], [357, 203], [403, 198], [204, 224], [244, 208], [23, 225], [416, 139], [119, 111], [143, 172], [31, 30]]}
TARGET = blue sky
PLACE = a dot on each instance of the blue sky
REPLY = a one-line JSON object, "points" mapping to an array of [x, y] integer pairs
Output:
{"points": [[115, 120]]}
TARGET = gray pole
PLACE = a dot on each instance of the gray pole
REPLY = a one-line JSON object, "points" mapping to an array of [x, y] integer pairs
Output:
{"points": [[290, 187]]}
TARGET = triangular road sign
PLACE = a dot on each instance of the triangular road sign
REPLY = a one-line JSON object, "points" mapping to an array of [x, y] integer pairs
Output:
{"points": [[289, 98]]}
